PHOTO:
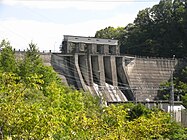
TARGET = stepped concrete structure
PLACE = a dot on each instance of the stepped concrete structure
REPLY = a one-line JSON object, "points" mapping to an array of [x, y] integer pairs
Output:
{"points": [[96, 66], [89, 64]]}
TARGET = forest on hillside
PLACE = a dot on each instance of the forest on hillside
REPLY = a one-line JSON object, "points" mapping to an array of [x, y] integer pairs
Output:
{"points": [[35, 104], [159, 31]]}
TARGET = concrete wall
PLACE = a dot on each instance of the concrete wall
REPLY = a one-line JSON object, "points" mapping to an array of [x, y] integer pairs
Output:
{"points": [[77, 73], [98, 69], [184, 118], [46, 57], [86, 69], [68, 67], [77, 44], [116, 77], [95, 69], [108, 69], [60, 67], [123, 79], [146, 74], [101, 70], [105, 78], [114, 71], [83, 64]]}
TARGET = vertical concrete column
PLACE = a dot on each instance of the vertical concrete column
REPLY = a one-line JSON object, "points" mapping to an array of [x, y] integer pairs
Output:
{"points": [[77, 47], [89, 64], [94, 48], [82, 59], [85, 68], [101, 71], [110, 70], [117, 49], [89, 49], [123, 78], [68, 65], [106, 49], [98, 70], [90, 83], [78, 75], [68, 47], [113, 70], [95, 69]]}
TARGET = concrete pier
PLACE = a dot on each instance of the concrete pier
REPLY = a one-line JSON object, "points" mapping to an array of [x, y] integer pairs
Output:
{"points": [[77, 73]]}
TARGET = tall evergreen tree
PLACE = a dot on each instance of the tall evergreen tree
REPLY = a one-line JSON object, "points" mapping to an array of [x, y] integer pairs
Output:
{"points": [[8, 61]]}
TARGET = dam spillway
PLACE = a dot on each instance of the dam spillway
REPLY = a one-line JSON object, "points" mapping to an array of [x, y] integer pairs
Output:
{"points": [[96, 66], [115, 78]]}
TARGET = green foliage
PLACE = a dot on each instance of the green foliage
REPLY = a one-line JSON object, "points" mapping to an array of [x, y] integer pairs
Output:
{"points": [[180, 87], [110, 33], [35, 105], [32, 64], [184, 99], [177, 132], [137, 111], [152, 127], [19, 118], [164, 94], [158, 31], [7, 58]]}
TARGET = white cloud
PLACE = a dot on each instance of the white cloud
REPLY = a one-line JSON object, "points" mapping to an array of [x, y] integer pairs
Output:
{"points": [[49, 35], [82, 5]]}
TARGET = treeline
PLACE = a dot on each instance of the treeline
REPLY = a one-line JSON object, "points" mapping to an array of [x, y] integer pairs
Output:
{"points": [[34, 104], [160, 31]]}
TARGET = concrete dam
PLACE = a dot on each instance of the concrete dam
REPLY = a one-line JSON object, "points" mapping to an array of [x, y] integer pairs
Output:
{"points": [[114, 78], [96, 66]]}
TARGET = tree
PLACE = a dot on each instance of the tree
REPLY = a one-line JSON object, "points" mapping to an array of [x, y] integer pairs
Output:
{"points": [[32, 64], [158, 31], [19, 118], [180, 86], [58, 112], [31, 61], [8, 62], [110, 33]]}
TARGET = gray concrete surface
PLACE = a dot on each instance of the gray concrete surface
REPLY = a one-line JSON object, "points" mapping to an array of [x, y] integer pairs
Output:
{"points": [[117, 78]]}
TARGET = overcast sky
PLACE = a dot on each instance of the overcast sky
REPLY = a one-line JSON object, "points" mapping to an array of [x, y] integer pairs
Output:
{"points": [[44, 22]]}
